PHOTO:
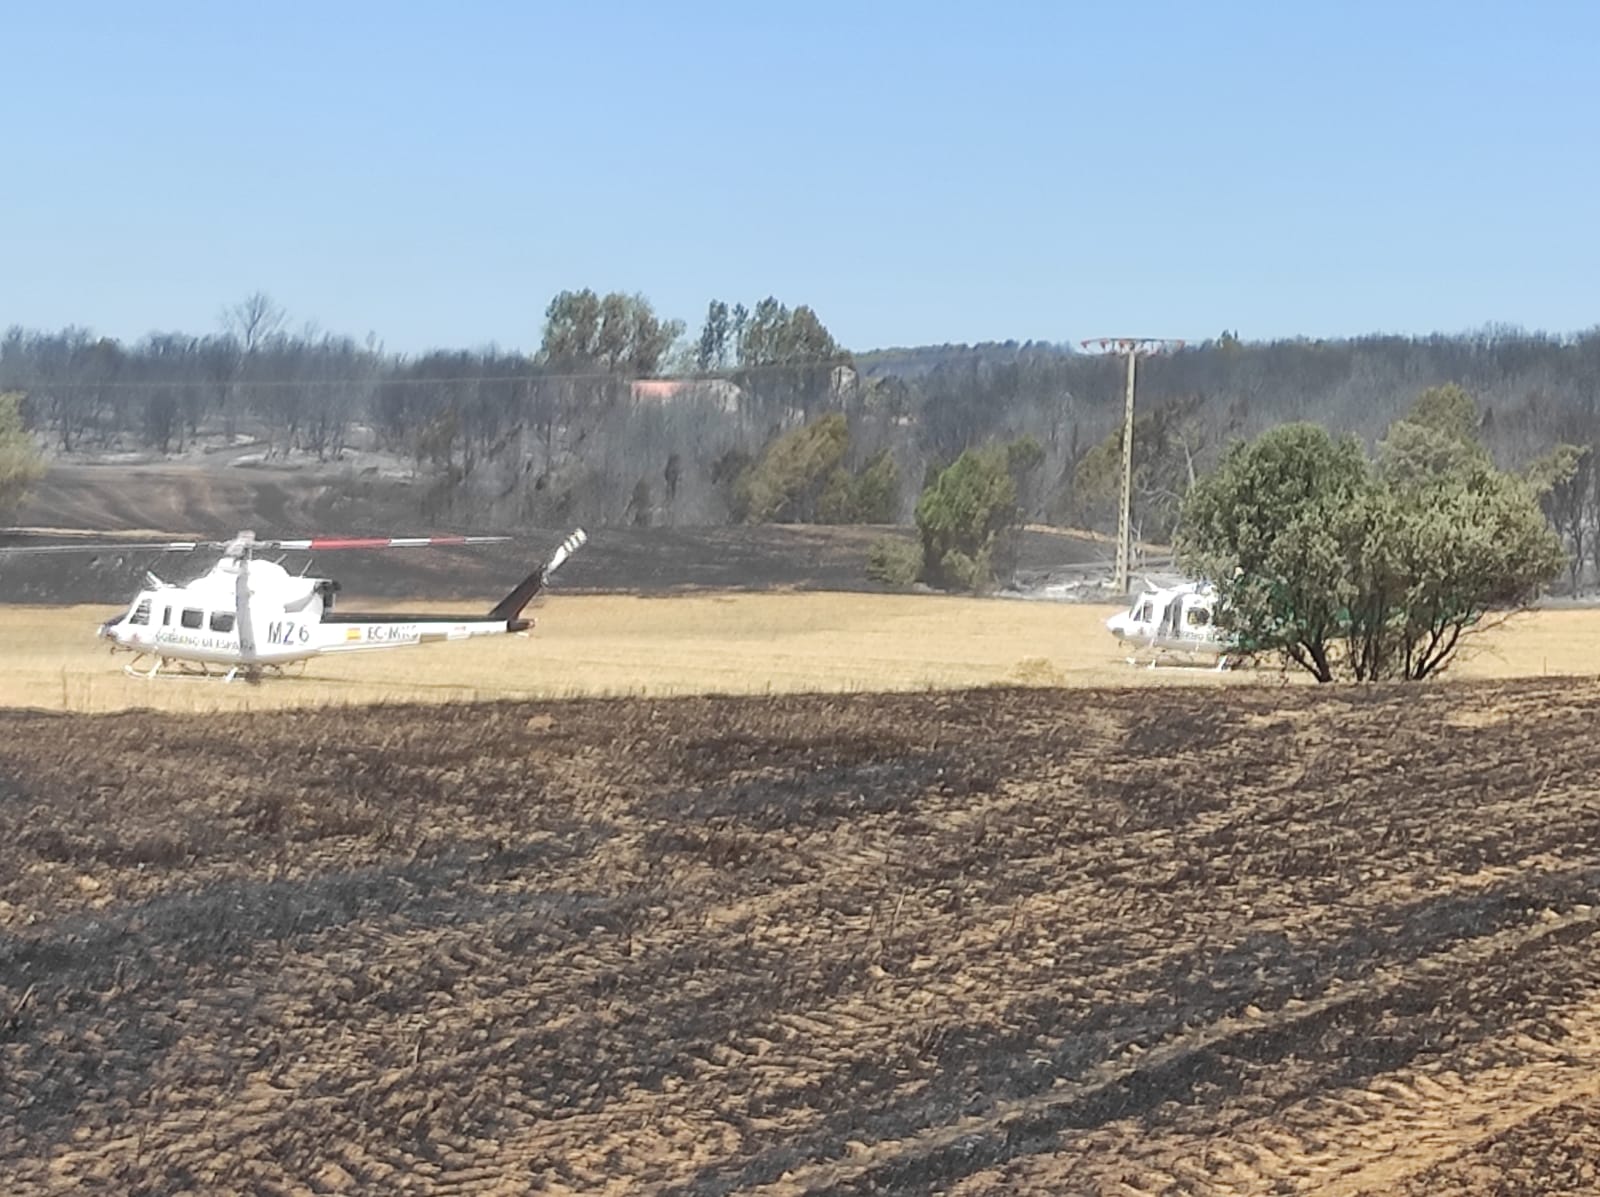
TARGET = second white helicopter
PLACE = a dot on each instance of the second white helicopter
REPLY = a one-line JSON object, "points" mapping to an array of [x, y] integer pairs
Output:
{"points": [[1178, 621]]}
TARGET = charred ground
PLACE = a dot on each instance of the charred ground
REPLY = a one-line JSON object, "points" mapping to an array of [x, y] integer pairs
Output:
{"points": [[213, 502], [997, 941]]}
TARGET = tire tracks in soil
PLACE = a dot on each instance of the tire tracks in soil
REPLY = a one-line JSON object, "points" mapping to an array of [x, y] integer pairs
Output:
{"points": [[1029, 1125]]}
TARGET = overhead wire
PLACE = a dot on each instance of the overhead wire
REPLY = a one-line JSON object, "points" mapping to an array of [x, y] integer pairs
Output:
{"points": [[732, 376]]}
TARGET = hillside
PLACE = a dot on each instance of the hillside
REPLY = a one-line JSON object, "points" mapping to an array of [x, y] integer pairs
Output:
{"points": [[162, 501]]}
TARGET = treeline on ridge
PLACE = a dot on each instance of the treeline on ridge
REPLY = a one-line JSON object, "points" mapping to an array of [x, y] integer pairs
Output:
{"points": [[622, 416]]}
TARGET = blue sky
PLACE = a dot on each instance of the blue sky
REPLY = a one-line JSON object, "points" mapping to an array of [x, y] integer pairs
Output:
{"points": [[917, 172]]}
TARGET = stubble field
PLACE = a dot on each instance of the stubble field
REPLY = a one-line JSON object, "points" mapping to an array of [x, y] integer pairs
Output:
{"points": [[1252, 940], [730, 643]]}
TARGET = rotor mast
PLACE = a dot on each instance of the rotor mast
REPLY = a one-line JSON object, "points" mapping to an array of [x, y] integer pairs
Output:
{"points": [[1133, 348]]}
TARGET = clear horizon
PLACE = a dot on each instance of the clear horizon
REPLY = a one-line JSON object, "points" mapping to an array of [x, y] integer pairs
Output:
{"points": [[917, 174]]}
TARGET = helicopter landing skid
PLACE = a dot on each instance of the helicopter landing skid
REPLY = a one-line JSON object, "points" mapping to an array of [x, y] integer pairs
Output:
{"points": [[132, 667], [198, 671], [1223, 664]]}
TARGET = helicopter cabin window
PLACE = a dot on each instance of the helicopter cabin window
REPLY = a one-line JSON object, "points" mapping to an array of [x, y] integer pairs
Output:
{"points": [[222, 621], [192, 618], [1146, 612], [166, 617], [141, 613], [1197, 617]]}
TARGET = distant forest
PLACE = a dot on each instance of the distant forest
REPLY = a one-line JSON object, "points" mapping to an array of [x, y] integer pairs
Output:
{"points": [[622, 417]]}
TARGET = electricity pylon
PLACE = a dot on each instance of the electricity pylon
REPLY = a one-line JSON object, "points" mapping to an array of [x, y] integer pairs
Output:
{"points": [[1133, 348]]}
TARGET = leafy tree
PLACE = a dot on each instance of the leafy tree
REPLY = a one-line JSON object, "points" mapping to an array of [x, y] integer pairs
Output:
{"points": [[739, 322], [20, 462], [1437, 438], [788, 481], [1346, 570], [1435, 560], [776, 336], [617, 333], [1275, 528], [877, 491], [962, 515], [1413, 453], [711, 353], [869, 497], [1564, 480], [571, 328], [894, 561], [1448, 410]]}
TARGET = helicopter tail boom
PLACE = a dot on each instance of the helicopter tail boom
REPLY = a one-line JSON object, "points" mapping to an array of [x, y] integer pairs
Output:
{"points": [[511, 607]]}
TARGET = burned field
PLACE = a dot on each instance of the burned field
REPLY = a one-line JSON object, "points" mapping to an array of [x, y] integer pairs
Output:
{"points": [[987, 942]]}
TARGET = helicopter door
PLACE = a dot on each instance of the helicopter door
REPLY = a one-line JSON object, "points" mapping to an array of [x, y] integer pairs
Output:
{"points": [[1197, 617], [1169, 617]]}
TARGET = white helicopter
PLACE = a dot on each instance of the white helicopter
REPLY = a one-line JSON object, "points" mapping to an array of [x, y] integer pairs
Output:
{"points": [[1175, 620], [244, 616]]}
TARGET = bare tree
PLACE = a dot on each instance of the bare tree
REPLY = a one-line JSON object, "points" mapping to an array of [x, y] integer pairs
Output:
{"points": [[254, 320]]}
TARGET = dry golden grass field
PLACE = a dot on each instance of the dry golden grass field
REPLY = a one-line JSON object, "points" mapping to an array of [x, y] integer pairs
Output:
{"points": [[610, 645]]}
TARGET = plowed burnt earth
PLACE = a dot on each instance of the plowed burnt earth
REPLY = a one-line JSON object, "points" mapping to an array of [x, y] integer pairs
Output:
{"points": [[994, 942]]}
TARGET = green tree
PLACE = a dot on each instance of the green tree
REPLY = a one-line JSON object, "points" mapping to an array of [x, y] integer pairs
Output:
{"points": [[571, 328], [1438, 438], [616, 333], [1275, 527], [1435, 561], [1564, 481], [20, 462], [1448, 410], [877, 491], [894, 561], [1346, 570], [871, 496], [786, 484], [711, 352], [1412, 454], [776, 336], [963, 514]]}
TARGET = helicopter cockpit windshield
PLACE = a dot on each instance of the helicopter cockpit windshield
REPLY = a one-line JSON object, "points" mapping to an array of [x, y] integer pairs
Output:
{"points": [[137, 615]]}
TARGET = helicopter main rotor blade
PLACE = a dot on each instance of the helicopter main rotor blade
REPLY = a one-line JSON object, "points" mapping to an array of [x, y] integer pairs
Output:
{"points": [[319, 544], [116, 546], [314, 544]]}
